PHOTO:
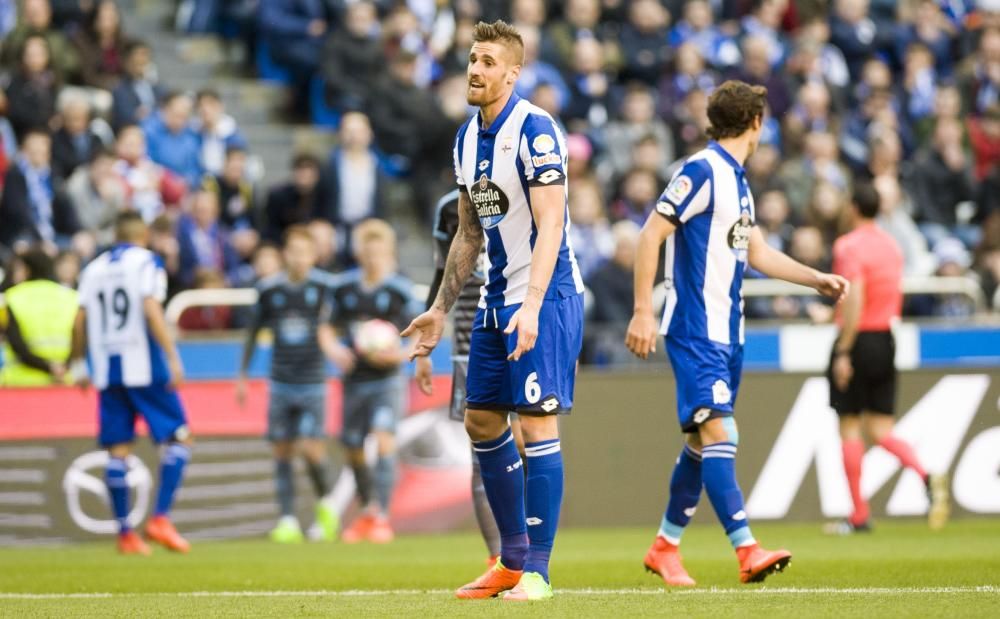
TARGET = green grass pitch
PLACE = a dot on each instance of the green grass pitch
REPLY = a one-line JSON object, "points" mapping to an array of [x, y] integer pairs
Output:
{"points": [[902, 570]]}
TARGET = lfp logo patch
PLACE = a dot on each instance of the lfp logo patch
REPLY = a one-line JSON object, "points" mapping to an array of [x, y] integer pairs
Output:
{"points": [[679, 189]]}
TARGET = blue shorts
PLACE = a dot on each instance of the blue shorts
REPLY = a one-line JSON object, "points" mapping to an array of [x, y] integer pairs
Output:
{"points": [[296, 411], [541, 382], [708, 378], [158, 405]]}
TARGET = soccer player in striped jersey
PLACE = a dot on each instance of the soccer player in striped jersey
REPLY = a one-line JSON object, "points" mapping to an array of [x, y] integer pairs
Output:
{"points": [[706, 218], [510, 164], [464, 316], [136, 369]]}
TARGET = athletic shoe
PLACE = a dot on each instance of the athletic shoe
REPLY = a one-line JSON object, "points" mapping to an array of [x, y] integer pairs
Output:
{"points": [[491, 561], [940, 509], [130, 543], [756, 564], [531, 588], [664, 559], [287, 531], [495, 581], [380, 531], [846, 527], [358, 531], [160, 530], [327, 523]]}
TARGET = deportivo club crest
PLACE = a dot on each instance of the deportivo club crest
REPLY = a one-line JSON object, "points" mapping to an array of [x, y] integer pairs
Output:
{"points": [[739, 236], [490, 201]]}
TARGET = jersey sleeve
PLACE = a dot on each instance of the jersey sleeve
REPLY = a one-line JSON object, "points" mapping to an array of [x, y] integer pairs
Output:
{"points": [[153, 280], [542, 152], [688, 194]]}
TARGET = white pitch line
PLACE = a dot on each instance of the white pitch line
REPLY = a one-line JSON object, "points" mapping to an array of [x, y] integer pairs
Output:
{"points": [[762, 591]]}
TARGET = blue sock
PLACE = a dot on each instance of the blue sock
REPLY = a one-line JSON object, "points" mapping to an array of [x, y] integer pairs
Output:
{"points": [[685, 491], [284, 486], [175, 458], [718, 470], [543, 499], [114, 477], [500, 466]]}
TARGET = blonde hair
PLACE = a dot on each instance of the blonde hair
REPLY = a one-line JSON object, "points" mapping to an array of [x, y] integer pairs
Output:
{"points": [[373, 229], [503, 33]]}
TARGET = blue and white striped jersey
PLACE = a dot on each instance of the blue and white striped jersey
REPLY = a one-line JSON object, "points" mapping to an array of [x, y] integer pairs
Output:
{"points": [[709, 201], [497, 165], [120, 348]]}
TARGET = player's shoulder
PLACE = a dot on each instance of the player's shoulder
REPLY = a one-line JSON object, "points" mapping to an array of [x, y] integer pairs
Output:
{"points": [[698, 167], [350, 278], [463, 129], [534, 120], [271, 282], [321, 278]]}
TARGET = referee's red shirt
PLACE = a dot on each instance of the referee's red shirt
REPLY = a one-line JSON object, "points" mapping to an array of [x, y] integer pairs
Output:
{"points": [[870, 255]]}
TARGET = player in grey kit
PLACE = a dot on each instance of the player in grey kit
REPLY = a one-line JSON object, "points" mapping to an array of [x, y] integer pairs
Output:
{"points": [[464, 312]]}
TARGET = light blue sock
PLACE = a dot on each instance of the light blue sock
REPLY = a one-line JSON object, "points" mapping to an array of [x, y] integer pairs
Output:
{"points": [[718, 470], [114, 477], [500, 465], [175, 458], [685, 492], [544, 492]]}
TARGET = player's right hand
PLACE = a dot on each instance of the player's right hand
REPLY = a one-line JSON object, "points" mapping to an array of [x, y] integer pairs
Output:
{"points": [[428, 328], [176, 372], [640, 338], [423, 375]]}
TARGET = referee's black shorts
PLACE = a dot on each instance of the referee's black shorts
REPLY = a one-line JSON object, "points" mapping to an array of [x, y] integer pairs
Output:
{"points": [[873, 386]]}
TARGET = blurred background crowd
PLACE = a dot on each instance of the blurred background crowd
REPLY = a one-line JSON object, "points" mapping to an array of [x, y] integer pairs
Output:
{"points": [[904, 94]]}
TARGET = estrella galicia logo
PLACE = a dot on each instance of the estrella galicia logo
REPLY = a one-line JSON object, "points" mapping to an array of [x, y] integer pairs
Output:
{"points": [[490, 201], [739, 236]]}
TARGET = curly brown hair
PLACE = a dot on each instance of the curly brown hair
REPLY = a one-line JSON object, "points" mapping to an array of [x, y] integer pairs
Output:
{"points": [[733, 107], [503, 33]]}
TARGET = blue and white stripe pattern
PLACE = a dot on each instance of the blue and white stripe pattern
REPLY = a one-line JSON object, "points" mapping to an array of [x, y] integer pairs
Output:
{"points": [[542, 448], [488, 446], [719, 450]]}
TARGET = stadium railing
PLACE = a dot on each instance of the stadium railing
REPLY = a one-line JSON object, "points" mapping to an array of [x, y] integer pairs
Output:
{"points": [[936, 286]]}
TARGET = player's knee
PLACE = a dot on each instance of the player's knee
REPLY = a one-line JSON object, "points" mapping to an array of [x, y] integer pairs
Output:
{"points": [[282, 450], [121, 450], [850, 427], [484, 425], [535, 429], [713, 431]]}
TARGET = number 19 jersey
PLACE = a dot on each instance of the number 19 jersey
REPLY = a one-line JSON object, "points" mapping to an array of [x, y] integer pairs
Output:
{"points": [[120, 347]]}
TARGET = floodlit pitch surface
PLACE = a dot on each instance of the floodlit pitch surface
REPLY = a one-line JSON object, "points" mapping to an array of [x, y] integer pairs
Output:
{"points": [[901, 570]]}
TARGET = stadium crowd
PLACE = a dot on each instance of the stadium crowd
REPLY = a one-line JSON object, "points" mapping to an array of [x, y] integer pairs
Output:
{"points": [[904, 94]]}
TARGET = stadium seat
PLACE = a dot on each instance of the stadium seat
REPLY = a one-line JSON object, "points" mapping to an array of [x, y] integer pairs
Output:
{"points": [[323, 115], [267, 69]]}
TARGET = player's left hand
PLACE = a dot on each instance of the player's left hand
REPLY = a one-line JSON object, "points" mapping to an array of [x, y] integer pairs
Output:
{"points": [[525, 322], [423, 375], [833, 286], [640, 338]]}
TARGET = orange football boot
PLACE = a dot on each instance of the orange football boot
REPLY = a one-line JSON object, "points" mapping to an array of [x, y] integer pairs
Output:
{"points": [[359, 529], [130, 543], [756, 564], [380, 531], [160, 530], [664, 559], [495, 581]]}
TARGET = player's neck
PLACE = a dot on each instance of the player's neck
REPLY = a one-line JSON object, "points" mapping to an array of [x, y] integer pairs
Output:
{"points": [[489, 112], [297, 278], [738, 148], [374, 277]]}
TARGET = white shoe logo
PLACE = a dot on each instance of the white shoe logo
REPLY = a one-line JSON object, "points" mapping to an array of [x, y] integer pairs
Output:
{"points": [[533, 522], [689, 512], [740, 515]]}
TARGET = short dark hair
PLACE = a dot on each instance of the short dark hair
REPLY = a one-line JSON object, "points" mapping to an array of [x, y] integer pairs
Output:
{"points": [[38, 263], [208, 93], [503, 33], [306, 159], [733, 107], [866, 199]]}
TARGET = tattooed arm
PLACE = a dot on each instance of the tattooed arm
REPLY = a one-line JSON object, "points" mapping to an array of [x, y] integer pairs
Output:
{"points": [[462, 258]]}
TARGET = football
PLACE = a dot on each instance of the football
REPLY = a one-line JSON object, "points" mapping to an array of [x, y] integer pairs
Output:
{"points": [[375, 336]]}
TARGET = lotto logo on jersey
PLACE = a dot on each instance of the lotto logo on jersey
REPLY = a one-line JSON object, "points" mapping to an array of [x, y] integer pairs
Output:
{"points": [[678, 189], [490, 201]]}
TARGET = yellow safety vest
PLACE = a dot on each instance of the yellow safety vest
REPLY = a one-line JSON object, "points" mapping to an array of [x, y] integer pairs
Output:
{"points": [[45, 312]]}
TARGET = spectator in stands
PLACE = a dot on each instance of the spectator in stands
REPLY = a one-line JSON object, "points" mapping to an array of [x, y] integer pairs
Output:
{"points": [[353, 59], [825, 210], [33, 207], [638, 120], [74, 143], [217, 131], [690, 73], [149, 188], [895, 207], [611, 287], [816, 59], [979, 78], [643, 41], [31, 95], [697, 26], [773, 213], [163, 242], [327, 246], [36, 20], [810, 113], [135, 97], [294, 31], [758, 67], [941, 182], [207, 317], [855, 33], [762, 169], [297, 201], [590, 84], [98, 195], [267, 261], [918, 91], [171, 141], [8, 141], [239, 204], [929, 28], [66, 268], [536, 72], [203, 243], [580, 21], [690, 121], [819, 162], [590, 233], [638, 192], [356, 183], [953, 260], [984, 138], [101, 46]]}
